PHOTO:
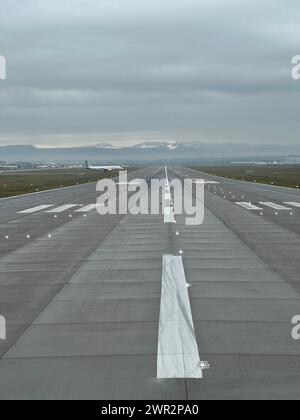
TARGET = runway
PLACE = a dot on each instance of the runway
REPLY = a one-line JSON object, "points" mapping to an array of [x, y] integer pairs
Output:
{"points": [[87, 298]]}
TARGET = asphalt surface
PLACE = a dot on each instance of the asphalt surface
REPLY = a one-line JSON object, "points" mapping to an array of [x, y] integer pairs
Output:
{"points": [[81, 294]]}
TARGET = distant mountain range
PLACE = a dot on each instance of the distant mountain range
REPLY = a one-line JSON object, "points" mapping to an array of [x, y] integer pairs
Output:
{"points": [[146, 152]]}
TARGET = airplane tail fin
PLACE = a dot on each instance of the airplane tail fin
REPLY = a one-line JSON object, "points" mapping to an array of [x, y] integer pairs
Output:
{"points": [[86, 163]]}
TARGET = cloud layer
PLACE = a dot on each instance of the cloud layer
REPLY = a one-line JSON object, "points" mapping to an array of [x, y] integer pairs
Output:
{"points": [[84, 71]]}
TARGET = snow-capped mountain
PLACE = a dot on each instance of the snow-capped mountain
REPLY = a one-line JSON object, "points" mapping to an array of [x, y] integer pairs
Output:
{"points": [[161, 151]]}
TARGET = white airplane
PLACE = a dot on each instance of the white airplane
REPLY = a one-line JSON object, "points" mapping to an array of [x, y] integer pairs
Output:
{"points": [[103, 168]]}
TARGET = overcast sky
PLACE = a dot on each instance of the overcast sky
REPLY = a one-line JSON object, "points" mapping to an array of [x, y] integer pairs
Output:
{"points": [[122, 71]]}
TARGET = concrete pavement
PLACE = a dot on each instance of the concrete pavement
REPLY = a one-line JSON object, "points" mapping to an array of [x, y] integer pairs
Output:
{"points": [[82, 295]]}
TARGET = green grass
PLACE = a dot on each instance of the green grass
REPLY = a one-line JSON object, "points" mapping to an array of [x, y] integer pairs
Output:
{"points": [[280, 175], [24, 182]]}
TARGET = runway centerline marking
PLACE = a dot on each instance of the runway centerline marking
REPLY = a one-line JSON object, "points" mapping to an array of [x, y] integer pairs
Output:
{"points": [[36, 209], [169, 215], [168, 211], [62, 208], [248, 206], [178, 354]]}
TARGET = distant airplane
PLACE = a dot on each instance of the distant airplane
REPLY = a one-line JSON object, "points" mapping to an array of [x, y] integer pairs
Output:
{"points": [[8, 167], [103, 168]]}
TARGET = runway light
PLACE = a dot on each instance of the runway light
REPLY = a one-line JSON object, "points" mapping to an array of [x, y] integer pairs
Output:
{"points": [[70, 216], [261, 214], [49, 236], [84, 215], [180, 252], [292, 214], [177, 233], [28, 236], [6, 237], [276, 213]]}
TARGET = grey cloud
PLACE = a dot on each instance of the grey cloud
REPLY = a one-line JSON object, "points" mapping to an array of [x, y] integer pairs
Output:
{"points": [[217, 69]]}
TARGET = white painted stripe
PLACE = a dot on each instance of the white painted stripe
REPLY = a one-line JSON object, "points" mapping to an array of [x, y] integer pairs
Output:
{"points": [[177, 355], [168, 211], [166, 172], [274, 205], [169, 215], [88, 208], [292, 203], [129, 183], [35, 209], [62, 208], [204, 181], [248, 206]]}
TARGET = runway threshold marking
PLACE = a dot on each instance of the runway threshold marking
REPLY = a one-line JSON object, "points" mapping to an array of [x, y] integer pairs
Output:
{"points": [[248, 206], [178, 354], [88, 208], [274, 205], [292, 203], [62, 208], [36, 209], [204, 181]]}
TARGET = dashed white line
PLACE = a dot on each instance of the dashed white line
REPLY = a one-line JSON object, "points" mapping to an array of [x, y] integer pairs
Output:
{"points": [[292, 203], [62, 208], [36, 209], [274, 205], [88, 208], [169, 215], [204, 181], [248, 206], [168, 211], [178, 354]]}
